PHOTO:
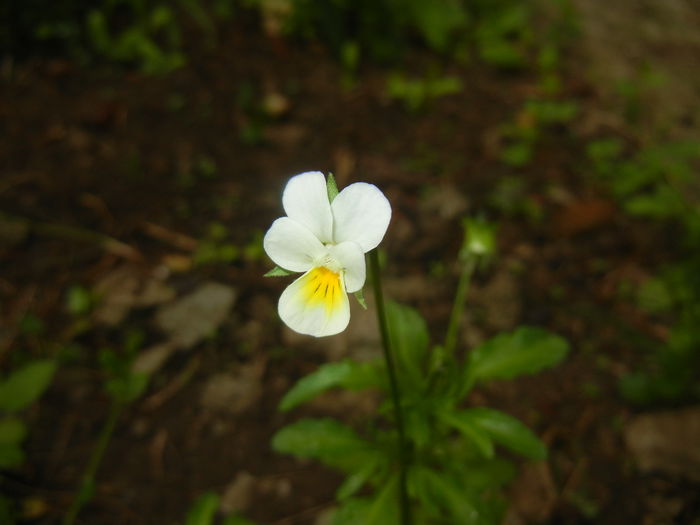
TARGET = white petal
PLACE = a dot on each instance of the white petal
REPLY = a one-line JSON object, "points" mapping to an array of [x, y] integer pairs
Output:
{"points": [[305, 199], [291, 246], [350, 257], [361, 213], [315, 304]]}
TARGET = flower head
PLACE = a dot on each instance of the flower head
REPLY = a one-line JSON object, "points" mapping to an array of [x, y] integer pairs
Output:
{"points": [[326, 241]]}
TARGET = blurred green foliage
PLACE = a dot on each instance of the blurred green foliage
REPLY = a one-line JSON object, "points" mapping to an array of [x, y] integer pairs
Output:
{"points": [[18, 390], [383, 30], [149, 34], [659, 183], [415, 93], [204, 509]]}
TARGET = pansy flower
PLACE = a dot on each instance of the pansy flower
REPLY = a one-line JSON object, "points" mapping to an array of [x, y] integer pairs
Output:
{"points": [[326, 239]]}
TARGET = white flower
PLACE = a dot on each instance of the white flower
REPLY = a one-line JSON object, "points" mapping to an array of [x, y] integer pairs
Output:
{"points": [[327, 241]]}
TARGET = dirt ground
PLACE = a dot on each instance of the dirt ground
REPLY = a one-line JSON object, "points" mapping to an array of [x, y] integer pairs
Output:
{"points": [[111, 180]]}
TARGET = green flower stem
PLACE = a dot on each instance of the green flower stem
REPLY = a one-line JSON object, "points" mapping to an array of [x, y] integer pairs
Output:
{"points": [[395, 394], [87, 482], [468, 267]]}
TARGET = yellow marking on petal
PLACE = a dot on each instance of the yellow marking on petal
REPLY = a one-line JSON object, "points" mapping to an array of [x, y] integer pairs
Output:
{"points": [[322, 287]]}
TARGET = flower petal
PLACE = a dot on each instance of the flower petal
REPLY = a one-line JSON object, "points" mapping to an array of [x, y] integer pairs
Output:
{"points": [[361, 213], [305, 199], [351, 258], [316, 303], [292, 246]]}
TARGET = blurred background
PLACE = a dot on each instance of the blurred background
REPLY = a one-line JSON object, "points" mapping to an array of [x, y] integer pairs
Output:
{"points": [[144, 147]]}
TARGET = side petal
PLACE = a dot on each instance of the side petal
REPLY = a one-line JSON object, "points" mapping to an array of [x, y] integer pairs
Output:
{"points": [[291, 246], [305, 199], [351, 258], [316, 304], [361, 213]]}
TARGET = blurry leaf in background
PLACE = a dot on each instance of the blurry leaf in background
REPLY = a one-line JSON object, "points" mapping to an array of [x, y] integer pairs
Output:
{"points": [[415, 93], [24, 385], [12, 433], [203, 510], [438, 20], [525, 351], [79, 300]]}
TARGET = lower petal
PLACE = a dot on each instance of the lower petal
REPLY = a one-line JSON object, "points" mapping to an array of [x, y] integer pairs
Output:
{"points": [[316, 303]]}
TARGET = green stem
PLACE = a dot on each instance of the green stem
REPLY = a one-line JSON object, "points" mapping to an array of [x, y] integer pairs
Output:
{"points": [[393, 383], [468, 267], [87, 482]]}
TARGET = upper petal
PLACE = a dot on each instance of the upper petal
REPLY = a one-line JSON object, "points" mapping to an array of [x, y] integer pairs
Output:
{"points": [[361, 213], [351, 258], [291, 245], [305, 199], [316, 304]]}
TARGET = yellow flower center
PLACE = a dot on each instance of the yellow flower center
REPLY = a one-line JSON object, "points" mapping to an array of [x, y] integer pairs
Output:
{"points": [[323, 288]]}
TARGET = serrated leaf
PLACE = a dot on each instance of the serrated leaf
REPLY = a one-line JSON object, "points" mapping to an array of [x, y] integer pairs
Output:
{"points": [[525, 351], [360, 296], [332, 187], [25, 385], [278, 272], [12, 430], [203, 510], [470, 430], [506, 430], [325, 440], [349, 374], [409, 339]]}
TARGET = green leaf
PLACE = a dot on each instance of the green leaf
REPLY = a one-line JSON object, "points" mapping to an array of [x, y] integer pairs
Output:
{"points": [[469, 429], [12, 430], [384, 508], [7, 514], [360, 296], [332, 187], [79, 300], [11, 455], [351, 512], [440, 491], [326, 440], [25, 385], [355, 481], [127, 388], [525, 351], [349, 374], [506, 430], [489, 474], [409, 339], [203, 510], [438, 21], [278, 272]]}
